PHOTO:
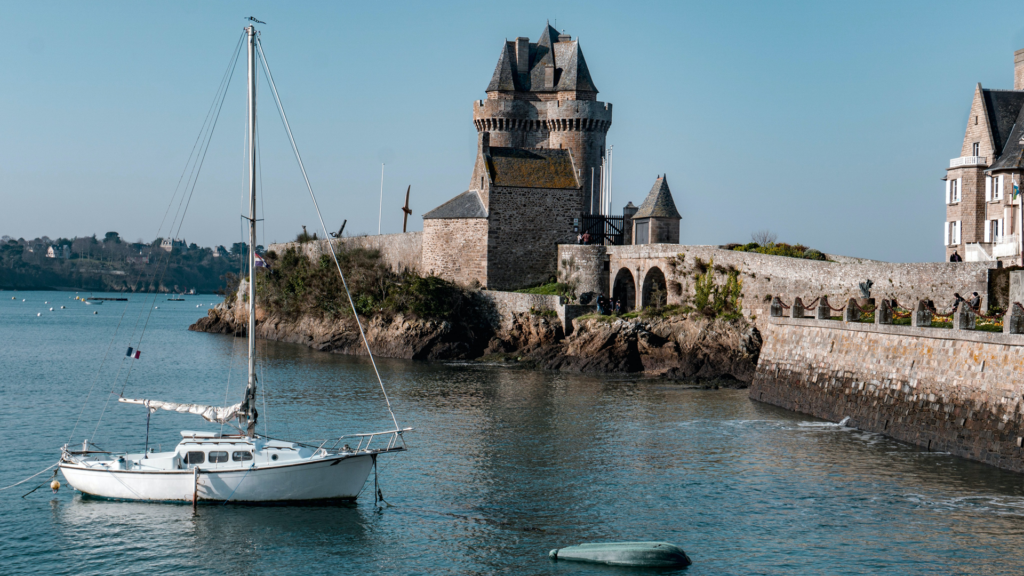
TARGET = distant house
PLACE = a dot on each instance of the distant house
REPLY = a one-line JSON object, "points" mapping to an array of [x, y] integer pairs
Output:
{"points": [[63, 252], [167, 244]]}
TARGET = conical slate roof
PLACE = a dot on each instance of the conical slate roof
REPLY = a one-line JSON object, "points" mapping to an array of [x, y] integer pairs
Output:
{"points": [[504, 78], [659, 203], [570, 68], [575, 74]]}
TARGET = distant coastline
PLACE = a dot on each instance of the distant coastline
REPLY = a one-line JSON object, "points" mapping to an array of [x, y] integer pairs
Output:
{"points": [[112, 265]]}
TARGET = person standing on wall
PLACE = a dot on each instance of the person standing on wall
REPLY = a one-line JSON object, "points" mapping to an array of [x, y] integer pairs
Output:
{"points": [[955, 257]]}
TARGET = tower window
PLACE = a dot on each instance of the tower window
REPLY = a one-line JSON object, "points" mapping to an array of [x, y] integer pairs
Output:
{"points": [[975, 120], [975, 148]]}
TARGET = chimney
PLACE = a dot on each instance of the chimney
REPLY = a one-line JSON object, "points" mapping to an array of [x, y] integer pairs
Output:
{"points": [[484, 143], [1018, 70], [523, 55], [564, 37]]}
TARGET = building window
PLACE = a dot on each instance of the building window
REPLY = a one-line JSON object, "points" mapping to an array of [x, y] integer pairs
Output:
{"points": [[975, 148], [954, 190]]}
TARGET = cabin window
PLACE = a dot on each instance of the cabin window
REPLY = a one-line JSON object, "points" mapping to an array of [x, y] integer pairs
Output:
{"points": [[195, 458], [273, 456], [241, 456], [218, 457]]}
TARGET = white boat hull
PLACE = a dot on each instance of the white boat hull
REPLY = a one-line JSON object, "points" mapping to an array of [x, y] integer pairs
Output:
{"points": [[339, 478]]}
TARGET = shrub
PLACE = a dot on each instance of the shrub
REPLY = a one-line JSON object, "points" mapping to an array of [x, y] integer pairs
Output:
{"points": [[297, 285], [713, 299]]}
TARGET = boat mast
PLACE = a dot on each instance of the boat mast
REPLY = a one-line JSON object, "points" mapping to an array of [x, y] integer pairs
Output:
{"points": [[250, 389]]}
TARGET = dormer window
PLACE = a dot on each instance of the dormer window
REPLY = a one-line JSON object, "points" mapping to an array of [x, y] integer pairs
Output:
{"points": [[975, 148]]}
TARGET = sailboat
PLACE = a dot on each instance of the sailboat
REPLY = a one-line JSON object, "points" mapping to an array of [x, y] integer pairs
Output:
{"points": [[241, 466]]}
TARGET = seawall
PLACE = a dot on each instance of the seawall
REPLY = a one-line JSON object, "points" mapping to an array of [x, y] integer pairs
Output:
{"points": [[943, 390]]}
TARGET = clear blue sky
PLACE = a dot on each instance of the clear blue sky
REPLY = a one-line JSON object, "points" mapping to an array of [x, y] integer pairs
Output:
{"points": [[829, 123]]}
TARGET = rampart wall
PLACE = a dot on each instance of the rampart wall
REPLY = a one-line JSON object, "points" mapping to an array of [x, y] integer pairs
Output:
{"points": [[508, 304], [764, 276], [399, 251], [944, 390]]}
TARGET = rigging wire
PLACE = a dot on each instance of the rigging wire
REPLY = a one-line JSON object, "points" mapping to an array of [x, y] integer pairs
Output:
{"points": [[334, 256], [181, 221], [203, 144]]}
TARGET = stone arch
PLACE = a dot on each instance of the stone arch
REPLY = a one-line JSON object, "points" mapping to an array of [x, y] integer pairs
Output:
{"points": [[624, 289], [654, 280]]}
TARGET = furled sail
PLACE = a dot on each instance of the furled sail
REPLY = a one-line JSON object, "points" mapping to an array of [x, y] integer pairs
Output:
{"points": [[209, 413]]}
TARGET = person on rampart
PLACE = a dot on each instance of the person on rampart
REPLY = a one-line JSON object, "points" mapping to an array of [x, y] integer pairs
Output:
{"points": [[957, 299], [955, 257], [586, 238], [975, 301]]}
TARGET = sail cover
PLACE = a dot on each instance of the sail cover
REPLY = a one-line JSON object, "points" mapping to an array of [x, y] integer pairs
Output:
{"points": [[209, 413]]}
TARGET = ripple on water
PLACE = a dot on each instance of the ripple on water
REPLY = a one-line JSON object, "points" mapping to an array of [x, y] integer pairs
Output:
{"points": [[504, 465]]}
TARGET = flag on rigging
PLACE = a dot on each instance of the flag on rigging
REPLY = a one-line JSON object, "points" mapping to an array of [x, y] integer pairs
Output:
{"points": [[133, 353], [260, 262]]}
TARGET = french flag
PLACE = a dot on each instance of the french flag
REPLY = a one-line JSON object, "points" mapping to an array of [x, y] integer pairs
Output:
{"points": [[133, 353], [260, 262]]}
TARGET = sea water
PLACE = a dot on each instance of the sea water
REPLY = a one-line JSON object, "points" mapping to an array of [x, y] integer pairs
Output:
{"points": [[504, 465]]}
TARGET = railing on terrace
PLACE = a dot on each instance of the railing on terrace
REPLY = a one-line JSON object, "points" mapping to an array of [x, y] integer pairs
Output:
{"points": [[602, 229], [968, 161], [924, 315]]}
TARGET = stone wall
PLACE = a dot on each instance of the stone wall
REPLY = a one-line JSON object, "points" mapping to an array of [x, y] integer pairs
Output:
{"points": [[508, 304], [1016, 291], [765, 276], [944, 390], [399, 251], [584, 266], [456, 249], [526, 227]]}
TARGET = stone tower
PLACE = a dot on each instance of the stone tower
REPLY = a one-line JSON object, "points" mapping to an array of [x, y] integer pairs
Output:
{"points": [[542, 96]]}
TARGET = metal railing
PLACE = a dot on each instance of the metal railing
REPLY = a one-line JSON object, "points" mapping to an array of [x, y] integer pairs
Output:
{"points": [[968, 161], [393, 436]]}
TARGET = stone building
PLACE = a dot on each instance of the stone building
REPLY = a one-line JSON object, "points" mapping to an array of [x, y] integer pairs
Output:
{"points": [[503, 233], [982, 216], [542, 96], [657, 220]]}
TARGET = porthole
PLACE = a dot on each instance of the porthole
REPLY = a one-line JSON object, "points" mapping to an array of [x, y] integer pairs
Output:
{"points": [[273, 456]]}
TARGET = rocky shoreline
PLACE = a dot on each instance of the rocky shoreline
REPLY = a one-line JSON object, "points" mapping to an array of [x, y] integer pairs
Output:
{"points": [[695, 349]]}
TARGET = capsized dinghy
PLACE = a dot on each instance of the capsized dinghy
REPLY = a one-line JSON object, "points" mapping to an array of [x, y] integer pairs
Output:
{"points": [[654, 554]]}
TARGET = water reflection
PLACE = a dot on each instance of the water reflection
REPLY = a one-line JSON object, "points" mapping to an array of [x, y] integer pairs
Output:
{"points": [[504, 465]]}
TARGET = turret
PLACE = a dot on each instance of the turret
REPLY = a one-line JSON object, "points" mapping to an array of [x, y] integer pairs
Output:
{"points": [[541, 95]]}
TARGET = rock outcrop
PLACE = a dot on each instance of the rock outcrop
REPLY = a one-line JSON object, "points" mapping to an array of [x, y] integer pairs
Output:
{"points": [[678, 348]]}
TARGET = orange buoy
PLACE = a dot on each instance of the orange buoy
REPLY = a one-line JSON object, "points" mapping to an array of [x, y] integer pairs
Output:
{"points": [[55, 485]]}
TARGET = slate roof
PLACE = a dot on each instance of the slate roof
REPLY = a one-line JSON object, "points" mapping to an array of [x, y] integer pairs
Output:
{"points": [[659, 203], [1011, 152], [504, 78], [1003, 107], [465, 205], [571, 71], [540, 168]]}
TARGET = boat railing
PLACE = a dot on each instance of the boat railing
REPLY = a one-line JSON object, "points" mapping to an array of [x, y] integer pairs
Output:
{"points": [[392, 436]]}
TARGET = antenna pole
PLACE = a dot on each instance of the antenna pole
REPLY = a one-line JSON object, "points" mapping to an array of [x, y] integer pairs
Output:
{"points": [[250, 390], [380, 207]]}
